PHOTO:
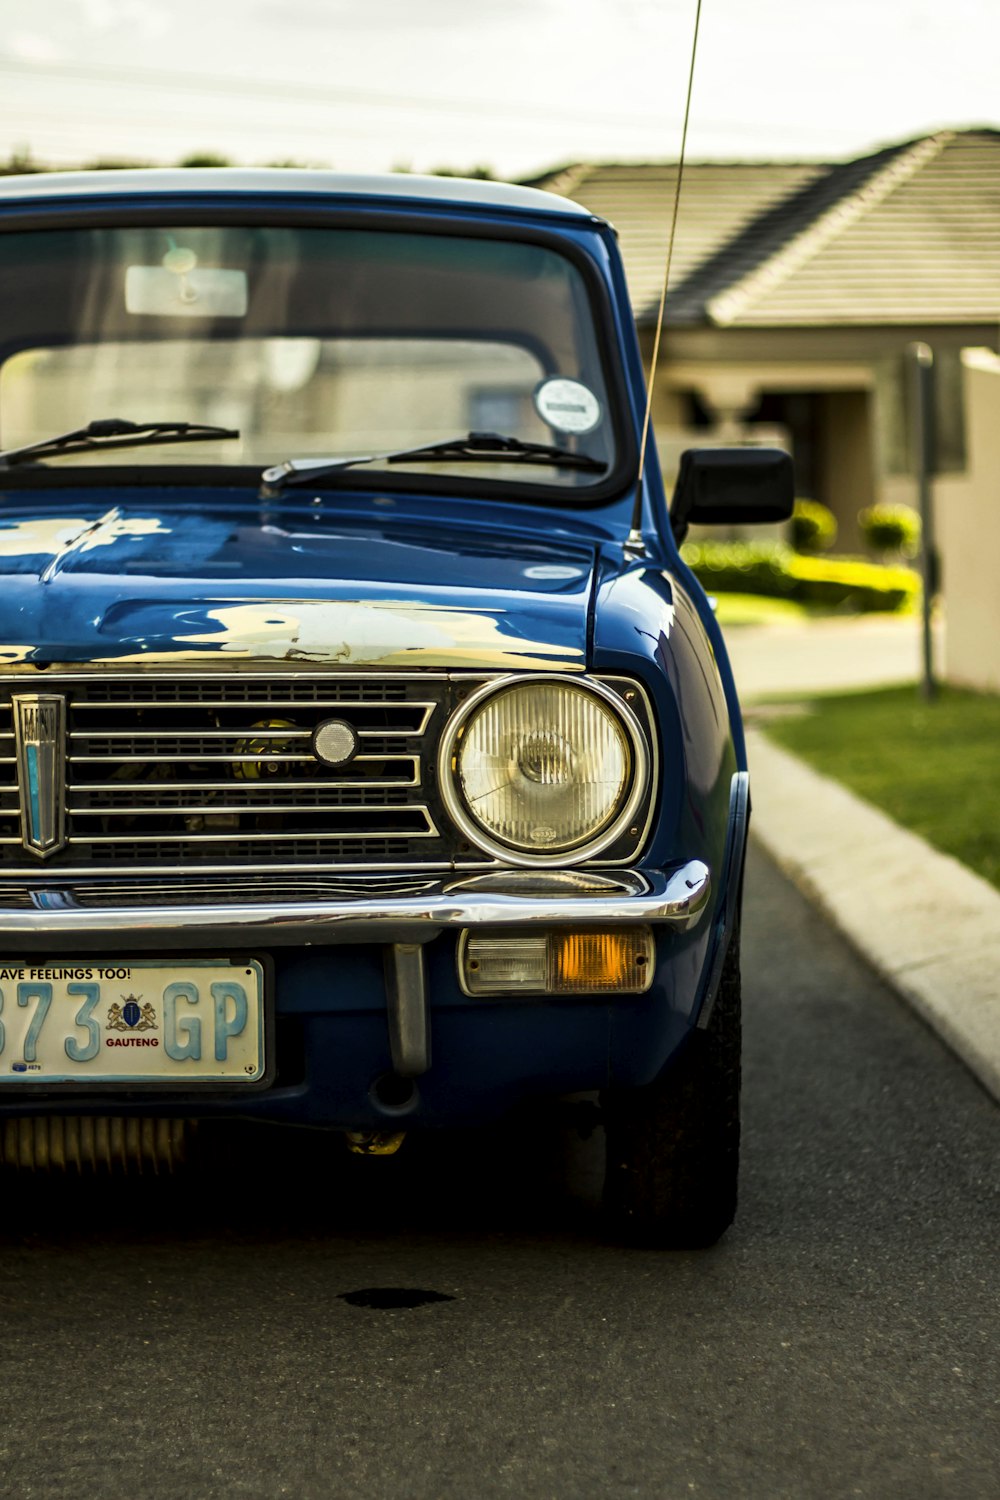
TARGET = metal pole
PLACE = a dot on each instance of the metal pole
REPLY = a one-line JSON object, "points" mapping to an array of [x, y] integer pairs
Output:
{"points": [[921, 358]]}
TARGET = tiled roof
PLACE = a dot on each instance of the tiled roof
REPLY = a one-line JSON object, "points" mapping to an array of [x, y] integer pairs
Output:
{"points": [[718, 201], [921, 245], [910, 234]]}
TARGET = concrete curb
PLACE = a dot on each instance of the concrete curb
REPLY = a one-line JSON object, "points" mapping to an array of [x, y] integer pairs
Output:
{"points": [[923, 921]]}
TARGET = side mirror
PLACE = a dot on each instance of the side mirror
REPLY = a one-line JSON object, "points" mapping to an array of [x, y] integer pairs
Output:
{"points": [[731, 486]]}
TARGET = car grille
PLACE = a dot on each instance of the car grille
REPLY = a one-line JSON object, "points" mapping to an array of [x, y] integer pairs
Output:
{"points": [[215, 772]]}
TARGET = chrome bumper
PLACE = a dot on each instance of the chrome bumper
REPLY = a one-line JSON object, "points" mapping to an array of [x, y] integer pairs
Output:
{"points": [[202, 912], [400, 913]]}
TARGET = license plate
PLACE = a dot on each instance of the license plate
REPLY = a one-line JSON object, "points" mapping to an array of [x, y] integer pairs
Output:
{"points": [[133, 1021]]}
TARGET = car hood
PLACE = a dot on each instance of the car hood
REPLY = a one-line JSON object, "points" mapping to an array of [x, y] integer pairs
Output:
{"points": [[153, 585]]}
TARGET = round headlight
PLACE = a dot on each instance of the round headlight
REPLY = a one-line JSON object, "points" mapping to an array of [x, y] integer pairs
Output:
{"points": [[547, 768]]}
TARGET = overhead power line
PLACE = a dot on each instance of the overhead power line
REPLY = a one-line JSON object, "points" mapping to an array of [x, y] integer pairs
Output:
{"points": [[289, 92]]}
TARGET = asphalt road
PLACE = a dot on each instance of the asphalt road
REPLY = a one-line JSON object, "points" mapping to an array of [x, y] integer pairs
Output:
{"points": [[186, 1340]]}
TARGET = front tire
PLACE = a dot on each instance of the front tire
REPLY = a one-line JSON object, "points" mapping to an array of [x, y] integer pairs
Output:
{"points": [[673, 1146]]}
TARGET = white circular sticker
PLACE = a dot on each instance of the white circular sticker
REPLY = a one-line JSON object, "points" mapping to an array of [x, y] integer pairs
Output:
{"points": [[567, 405]]}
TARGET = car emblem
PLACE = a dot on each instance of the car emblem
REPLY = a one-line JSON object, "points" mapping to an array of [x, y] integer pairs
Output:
{"points": [[132, 1015], [40, 746]]}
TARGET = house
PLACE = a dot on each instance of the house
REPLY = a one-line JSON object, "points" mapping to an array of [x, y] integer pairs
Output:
{"points": [[795, 289]]}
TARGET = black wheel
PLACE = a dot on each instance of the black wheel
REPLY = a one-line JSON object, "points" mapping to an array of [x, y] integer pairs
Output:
{"points": [[673, 1147]]}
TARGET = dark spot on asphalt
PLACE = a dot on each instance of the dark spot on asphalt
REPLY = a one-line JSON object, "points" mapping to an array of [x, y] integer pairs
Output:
{"points": [[393, 1296]]}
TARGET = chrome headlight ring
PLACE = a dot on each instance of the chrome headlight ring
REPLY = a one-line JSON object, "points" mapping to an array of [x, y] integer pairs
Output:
{"points": [[637, 786]]}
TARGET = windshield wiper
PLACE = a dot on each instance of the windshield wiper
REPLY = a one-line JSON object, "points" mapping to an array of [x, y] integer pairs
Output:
{"points": [[115, 432], [475, 447]]}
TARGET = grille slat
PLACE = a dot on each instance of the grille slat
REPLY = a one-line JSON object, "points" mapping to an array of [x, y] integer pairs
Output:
{"points": [[253, 690], [186, 771], [374, 805], [408, 769], [273, 704], [184, 758], [193, 734], [246, 838]]}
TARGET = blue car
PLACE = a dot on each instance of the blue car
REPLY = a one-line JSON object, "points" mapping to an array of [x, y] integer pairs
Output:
{"points": [[369, 758]]}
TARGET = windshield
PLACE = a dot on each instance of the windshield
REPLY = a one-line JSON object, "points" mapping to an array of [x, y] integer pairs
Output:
{"points": [[313, 343]]}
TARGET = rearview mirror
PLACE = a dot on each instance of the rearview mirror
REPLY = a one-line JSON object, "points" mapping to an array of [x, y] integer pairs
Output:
{"points": [[731, 486]]}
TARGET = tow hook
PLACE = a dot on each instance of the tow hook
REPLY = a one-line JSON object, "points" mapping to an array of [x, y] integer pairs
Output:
{"points": [[374, 1142]]}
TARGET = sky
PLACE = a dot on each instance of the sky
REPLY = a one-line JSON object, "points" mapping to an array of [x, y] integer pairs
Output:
{"points": [[516, 85]]}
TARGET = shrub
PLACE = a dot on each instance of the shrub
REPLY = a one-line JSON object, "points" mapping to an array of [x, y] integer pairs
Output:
{"points": [[204, 159], [740, 567], [891, 529], [774, 570], [851, 582], [814, 527]]}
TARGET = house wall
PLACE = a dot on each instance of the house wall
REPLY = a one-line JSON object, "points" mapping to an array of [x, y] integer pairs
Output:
{"points": [[823, 404], [967, 520], [847, 461]]}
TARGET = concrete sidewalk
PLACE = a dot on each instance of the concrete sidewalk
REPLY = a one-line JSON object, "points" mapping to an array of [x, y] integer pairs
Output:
{"points": [[825, 655], [928, 925]]}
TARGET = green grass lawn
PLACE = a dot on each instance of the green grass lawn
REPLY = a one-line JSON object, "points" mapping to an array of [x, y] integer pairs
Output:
{"points": [[931, 766]]}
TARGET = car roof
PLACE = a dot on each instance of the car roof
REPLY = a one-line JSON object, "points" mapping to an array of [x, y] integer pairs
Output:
{"points": [[284, 181]]}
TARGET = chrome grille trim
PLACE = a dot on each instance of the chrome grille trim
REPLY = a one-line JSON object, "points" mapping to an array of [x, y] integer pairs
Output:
{"points": [[196, 772], [46, 878], [401, 732], [428, 831], [258, 703], [412, 779]]}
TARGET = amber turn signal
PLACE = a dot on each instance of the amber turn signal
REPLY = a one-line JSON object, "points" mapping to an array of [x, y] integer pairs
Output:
{"points": [[557, 963], [584, 961]]}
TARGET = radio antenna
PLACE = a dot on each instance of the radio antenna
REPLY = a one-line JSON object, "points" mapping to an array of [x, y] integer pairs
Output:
{"points": [[635, 534]]}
